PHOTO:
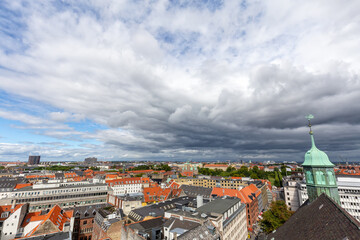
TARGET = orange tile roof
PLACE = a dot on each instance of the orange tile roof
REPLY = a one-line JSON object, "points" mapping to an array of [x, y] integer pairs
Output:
{"points": [[134, 180], [174, 185], [8, 208], [215, 165], [112, 175], [70, 175], [41, 176], [56, 215], [254, 189], [239, 178], [22, 185], [152, 194], [226, 192], [188, 174]]}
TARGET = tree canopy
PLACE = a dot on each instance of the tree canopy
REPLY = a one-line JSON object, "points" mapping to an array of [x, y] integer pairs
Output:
{"points": [[276, 216]]}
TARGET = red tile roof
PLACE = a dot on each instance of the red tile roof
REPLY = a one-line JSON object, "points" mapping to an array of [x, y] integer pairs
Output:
{"points": [[215, 165], [8, 208], [56, 215], [22, 185], [134, 180]]}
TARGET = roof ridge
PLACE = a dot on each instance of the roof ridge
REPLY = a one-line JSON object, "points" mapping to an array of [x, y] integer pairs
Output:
{"points": [[343, 211]]}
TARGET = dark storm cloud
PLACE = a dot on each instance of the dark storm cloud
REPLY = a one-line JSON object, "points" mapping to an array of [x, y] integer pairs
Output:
{"points": [[174, 82]]}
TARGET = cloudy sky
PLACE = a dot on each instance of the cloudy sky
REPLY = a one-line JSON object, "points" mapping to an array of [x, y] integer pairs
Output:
{"points": [[178, 80]]}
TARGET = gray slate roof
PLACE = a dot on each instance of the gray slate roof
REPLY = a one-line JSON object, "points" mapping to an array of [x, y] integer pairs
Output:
{"points": [[193, 191], [158, 209], [148, 224], [220, 205], [322, 219], [207, 231], [52, 236]]}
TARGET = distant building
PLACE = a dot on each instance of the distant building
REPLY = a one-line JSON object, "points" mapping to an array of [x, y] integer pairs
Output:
{"points": [[34, 160], [216, 166], [90, 160]]}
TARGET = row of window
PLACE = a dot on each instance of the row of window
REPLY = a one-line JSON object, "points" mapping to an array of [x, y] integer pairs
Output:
{"points": [[40, 199], [58, 191], [47, 206]]}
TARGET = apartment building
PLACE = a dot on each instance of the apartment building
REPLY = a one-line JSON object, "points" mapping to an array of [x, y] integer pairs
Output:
{"points": [[83, 221], [46, 196], [128, 185], [228, 215], [126, 202], [247, 196], [291, 192], [107, 224]]}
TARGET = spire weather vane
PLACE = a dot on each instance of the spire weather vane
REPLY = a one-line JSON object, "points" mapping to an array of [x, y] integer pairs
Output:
{"points": [[309, 117]]}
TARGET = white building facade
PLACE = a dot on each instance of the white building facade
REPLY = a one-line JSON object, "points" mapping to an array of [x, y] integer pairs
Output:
{"points": [[349, 192]]}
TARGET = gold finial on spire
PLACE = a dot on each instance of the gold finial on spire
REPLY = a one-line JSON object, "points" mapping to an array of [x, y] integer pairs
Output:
{"points": [[309, 117]]}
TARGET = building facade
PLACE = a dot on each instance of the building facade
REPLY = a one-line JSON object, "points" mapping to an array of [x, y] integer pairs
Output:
{"points": [[228, 215], [46, 196], [34, 160]]}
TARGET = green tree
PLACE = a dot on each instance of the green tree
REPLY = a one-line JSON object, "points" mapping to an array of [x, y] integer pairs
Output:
{"points": [[244, 170], [277, 181], [280, 178], [230, 169], [276, 216], [254, 176], [283, 170], [165, 167], [141, 167]]}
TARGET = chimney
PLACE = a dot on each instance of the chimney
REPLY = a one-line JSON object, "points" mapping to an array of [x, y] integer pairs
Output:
{"points": [[199, 201]]}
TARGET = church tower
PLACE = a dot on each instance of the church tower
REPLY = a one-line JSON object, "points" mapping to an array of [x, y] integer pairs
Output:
{"points": [[319, 172]]}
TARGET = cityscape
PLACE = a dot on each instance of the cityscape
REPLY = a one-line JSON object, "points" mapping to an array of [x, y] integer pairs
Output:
{"points": [[179, 120]]}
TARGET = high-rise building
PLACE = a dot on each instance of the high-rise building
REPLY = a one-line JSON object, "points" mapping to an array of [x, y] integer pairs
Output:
{"points": [[33, 160], [319, 172], [90, 160]]}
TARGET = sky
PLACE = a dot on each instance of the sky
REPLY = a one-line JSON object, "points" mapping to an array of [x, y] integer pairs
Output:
{"points": [[178, 80]]}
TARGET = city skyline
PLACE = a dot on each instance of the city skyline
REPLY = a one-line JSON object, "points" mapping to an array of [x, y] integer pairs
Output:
{"points": [[178, 80]]}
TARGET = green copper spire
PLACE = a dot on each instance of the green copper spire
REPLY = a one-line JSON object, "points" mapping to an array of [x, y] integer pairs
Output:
{"points": [[315, 157], [319, 172]]}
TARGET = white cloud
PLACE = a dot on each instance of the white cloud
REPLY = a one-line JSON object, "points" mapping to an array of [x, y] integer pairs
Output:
{"points": [[167, 78]]}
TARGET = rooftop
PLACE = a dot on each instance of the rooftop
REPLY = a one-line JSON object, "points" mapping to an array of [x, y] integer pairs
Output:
{"points": [[320, 219], [220, 205], [193, 191], [30, 188], [51, 236]]}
